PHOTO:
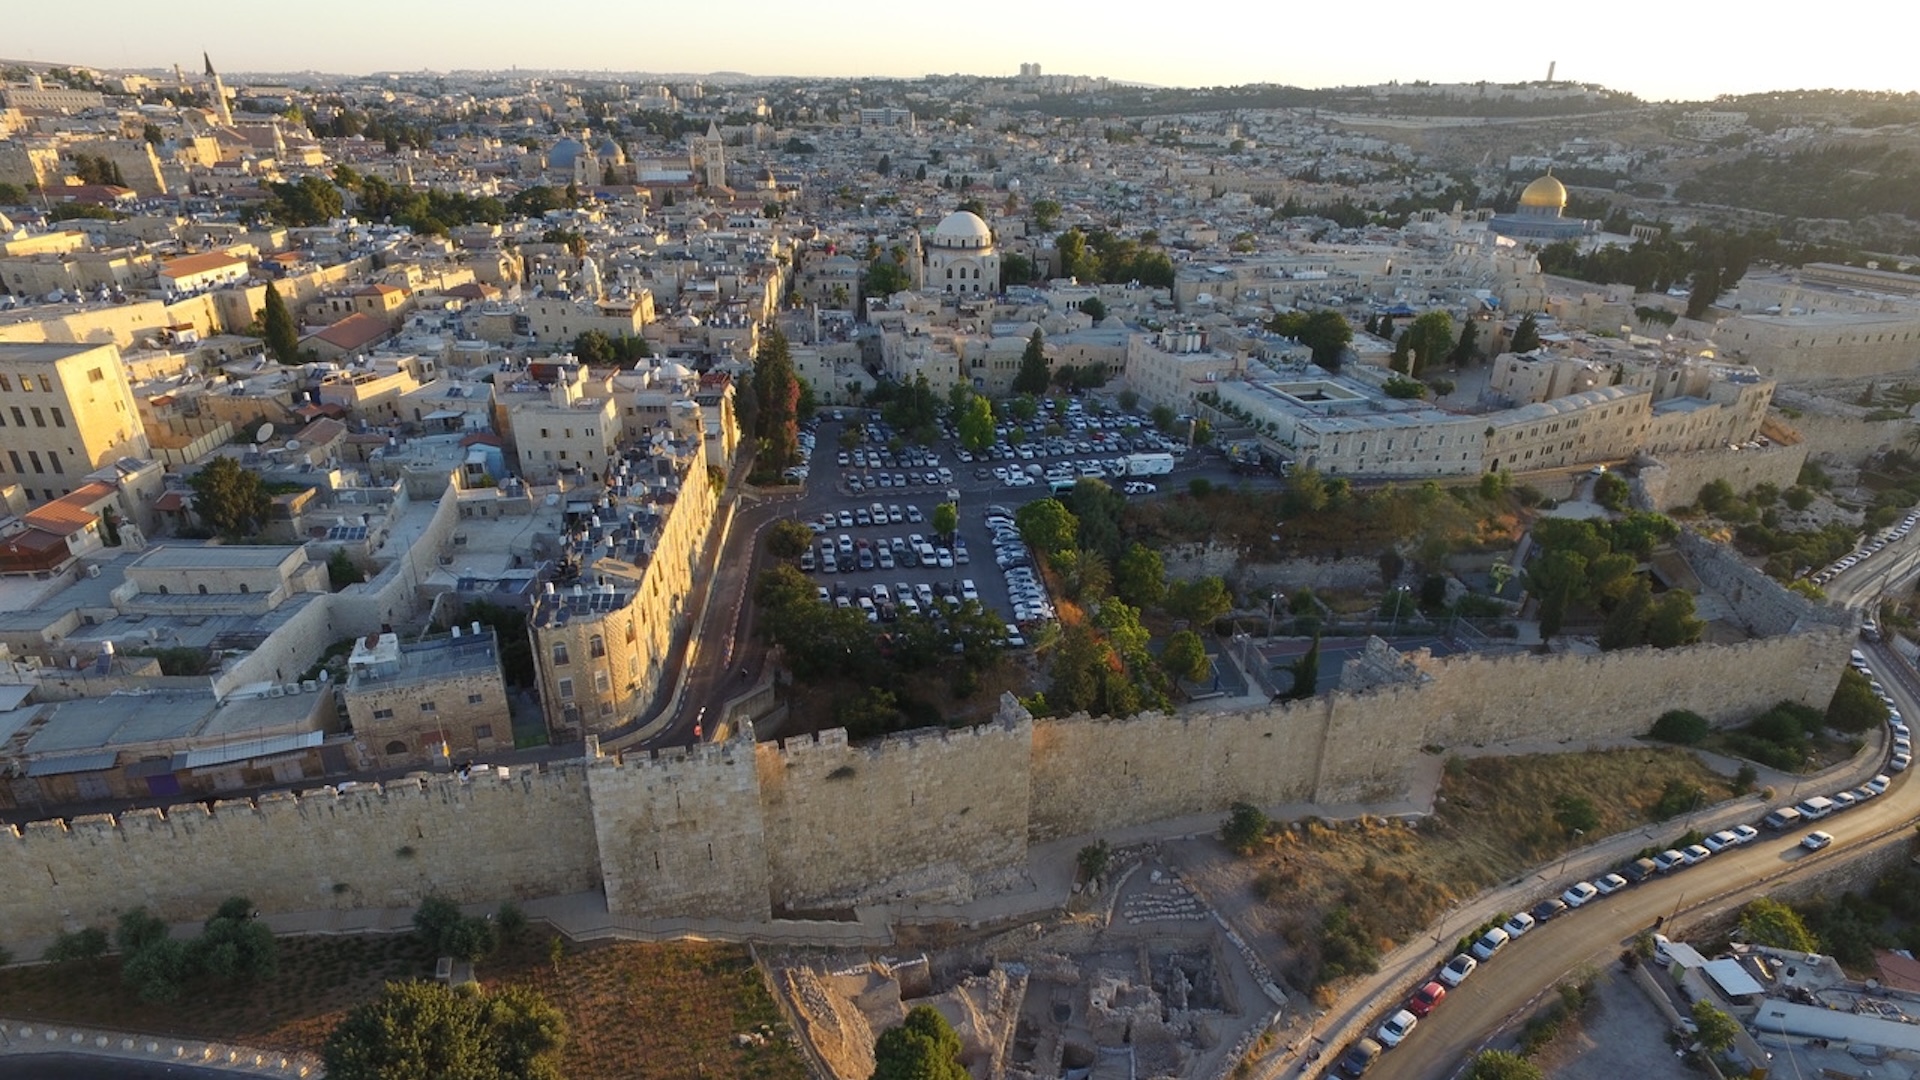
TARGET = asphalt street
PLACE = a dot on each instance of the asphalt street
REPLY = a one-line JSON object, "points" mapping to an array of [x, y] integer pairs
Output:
{"points": [[1505, 987], [75, 1067]]}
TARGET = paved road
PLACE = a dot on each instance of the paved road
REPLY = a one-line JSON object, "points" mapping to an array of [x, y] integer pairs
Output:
{"points": [[1597, 933], [75, 1067]]}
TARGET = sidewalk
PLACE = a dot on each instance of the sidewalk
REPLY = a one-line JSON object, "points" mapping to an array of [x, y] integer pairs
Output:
{"points": [[21, 1038]]}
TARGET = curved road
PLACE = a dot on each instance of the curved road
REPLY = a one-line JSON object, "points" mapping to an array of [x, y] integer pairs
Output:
{"points": [[1506, 986], [77, 1067]]}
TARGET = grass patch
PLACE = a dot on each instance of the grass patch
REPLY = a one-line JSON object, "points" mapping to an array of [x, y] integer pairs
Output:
{"points": [[666, 1011], [1496, 816]]}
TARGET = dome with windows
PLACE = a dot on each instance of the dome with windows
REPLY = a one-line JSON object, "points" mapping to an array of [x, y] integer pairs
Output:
{"points": [[962, 230]]}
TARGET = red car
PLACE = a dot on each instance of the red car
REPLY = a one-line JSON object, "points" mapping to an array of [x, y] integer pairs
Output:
{"points": [[1426, 998]]}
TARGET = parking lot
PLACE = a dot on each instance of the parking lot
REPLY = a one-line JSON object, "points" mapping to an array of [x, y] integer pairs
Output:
{"points": [[872, 508]]}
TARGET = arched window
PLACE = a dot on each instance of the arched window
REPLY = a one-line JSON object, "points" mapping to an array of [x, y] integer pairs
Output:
{"points": [[163, 590], [596, 646], [243, 587], [396, 747], [203, 590]]}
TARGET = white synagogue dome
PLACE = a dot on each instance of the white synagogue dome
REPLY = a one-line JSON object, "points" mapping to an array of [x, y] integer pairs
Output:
{"points": [[962, 229]]}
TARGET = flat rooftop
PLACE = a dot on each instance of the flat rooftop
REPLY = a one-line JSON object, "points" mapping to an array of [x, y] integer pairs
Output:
{"points": [[41, 352], [213, 556]]}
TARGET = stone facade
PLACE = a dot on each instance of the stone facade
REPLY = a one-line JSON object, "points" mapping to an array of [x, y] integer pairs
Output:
{"points": [[732, 830], [1677, 479]]}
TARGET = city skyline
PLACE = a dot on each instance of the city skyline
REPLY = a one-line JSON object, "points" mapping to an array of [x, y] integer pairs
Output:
{"points": [[1673, 53]]}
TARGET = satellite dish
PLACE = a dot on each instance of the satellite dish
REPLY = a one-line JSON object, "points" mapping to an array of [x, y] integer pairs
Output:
{"points": [[266, 432]]}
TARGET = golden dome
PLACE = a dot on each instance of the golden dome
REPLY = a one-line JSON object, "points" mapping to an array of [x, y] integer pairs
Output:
{"points": [[1545, 193]]}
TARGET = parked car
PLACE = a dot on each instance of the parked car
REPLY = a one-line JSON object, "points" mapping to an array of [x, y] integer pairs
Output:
{"points": [[1490, 942], [1395, 1028], [1549, 908], [1669, 860], [1746, 834], [1458, 969], [1426, 999], [1608, 884], [1720, 841], [1579, 894], [1639, 870], [1519, 925], [1358, 1059]]}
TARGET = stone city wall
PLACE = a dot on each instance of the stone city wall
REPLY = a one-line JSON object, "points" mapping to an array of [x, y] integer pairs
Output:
{"points": [[1762, 605], [932, 814], [369, 847], [735, 831], [1678, 478]]}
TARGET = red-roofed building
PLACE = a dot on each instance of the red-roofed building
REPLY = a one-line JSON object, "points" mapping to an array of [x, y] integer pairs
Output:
{"points": [[354, 334], [49, 536]]}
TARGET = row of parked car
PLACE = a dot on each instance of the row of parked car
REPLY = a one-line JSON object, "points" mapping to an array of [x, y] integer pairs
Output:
{"points": [[1902, 755], [1867, 550], [1360, 1056]]}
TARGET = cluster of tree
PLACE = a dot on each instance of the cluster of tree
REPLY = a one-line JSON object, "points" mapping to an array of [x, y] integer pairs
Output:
{"points": [[1326, 332], [444, 931], [821, 642], [886, 275], [1034, 376], [1710, 261], [923, 1047], [310, 200], [911, 407], [597, 348], [231, 501], [345, 122], [430, 211], [1101, 256], [425, 1029], [1594, 563], [776, 406], [539, 199], [233, 946], [1851, 182], [97, 170], [1429, 340]]}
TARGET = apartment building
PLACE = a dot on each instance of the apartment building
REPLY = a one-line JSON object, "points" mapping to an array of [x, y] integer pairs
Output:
{"points": [[65, 410]]}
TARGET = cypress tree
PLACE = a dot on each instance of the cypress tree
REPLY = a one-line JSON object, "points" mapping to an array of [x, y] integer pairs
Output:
{"points": [[283, 338]]}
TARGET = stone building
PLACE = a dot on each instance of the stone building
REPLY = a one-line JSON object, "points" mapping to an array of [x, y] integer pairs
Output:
{"points": [[961, 257], [442, 700], [565, 428], [601, 632], [1539, 215], [65, 410]]}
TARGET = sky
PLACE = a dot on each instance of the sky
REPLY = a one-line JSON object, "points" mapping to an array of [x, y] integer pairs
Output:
{"points": [[1660, 51]]}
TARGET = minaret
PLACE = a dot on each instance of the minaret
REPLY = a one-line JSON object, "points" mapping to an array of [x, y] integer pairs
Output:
{"points": [[221, 110]]}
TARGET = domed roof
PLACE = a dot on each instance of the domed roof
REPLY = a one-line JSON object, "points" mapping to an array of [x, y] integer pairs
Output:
{"points": [[608, 150], [564, 152], [1545, 193], [674, 371], [962, 228]]}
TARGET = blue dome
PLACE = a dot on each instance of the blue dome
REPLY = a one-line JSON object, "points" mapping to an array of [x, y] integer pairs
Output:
{"points": [[564, 152], [608, 150]]}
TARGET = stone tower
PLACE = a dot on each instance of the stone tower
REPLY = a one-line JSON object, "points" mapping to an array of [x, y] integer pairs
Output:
{"points": [[221, 110], [711, 149]]}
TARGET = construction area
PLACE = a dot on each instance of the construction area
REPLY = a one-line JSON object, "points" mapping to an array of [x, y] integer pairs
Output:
{"points": [[1138, 981]]}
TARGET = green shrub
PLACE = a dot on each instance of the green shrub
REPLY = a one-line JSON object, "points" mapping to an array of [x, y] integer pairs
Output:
{"points": [[1680, 726]]}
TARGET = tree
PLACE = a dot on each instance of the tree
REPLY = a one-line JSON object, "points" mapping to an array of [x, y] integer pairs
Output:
{"points": [[885, 277], [1464, 349], [1140, 577], [1855, 708], [283, 337], [1185, 657], [1245, 827], [1502, 1065], [89, 943], [776, 391], [885, 165], [234, 945], [1045, 213], [230, 500], [1163, 417], [342, 571], [428, 1031], [923, 1047], [1766, 921], [1015, 269], [1425, 342], [1671, 623], [788, 539], [1682, 726], [1201, 600], [1047, 525], [975, 423], [1526, 336], [1306, 673], [946, 520], [1093, 308], [1715, 1029], [1033, 376], [1576, 814]]}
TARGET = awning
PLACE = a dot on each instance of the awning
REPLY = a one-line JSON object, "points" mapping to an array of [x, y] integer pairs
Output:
{"points": [[73, 763], [444, 414], [243, 749]]}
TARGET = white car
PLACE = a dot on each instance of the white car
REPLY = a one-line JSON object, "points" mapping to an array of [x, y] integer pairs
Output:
{"points": [[1878, 785], [1814, 841], [1579, 894], [1721, 841], [1458, 969], [1608, 884], [1395, 1028], [1518, 925], [1745, 834]]}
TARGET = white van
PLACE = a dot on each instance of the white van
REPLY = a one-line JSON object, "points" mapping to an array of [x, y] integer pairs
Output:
{"points": [[1816, 807]]}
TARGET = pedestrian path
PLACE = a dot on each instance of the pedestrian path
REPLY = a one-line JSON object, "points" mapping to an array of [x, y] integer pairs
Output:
{"points": [[24, 1038]]}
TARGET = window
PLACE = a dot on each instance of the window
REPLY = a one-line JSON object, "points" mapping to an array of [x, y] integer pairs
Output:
{"points": [[600, 682], [566, 689], [59, 418], [46, 384], [396, 747], [428, 707], [203, 590], [482, 731], [19, 418], [383, 714], [93, 375], [243, 585], [163, 590], [34, 456], [38, 419], [475, 699], [544, 433], [6, 383], [560, 654], [596, 646], [26, 384]]}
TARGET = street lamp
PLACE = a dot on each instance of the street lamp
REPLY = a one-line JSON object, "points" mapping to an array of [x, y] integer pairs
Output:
{"points": [[1273, 600]]}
